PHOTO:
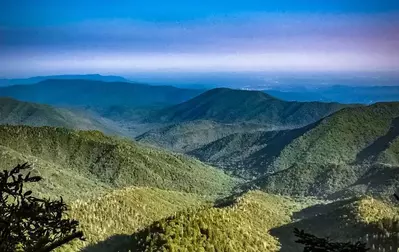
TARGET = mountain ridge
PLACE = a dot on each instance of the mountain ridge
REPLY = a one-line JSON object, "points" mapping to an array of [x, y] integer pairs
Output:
{"points": [[228, 105], [76, 92], [15, 112]]}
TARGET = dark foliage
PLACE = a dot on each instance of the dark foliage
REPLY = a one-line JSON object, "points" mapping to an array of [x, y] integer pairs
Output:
{"points": [[315, 244], [28, 223]]}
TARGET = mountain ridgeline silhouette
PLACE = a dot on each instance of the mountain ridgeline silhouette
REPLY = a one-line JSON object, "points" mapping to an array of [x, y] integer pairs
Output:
{"points": [[77, 92]]}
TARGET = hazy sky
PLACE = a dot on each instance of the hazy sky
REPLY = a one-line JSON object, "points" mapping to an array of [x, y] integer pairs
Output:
{"points": [[123, 37]]}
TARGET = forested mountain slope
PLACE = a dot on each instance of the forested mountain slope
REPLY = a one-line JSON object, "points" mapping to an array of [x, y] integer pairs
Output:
{"points": [[16, 112], [78, 163], [354, 150]]}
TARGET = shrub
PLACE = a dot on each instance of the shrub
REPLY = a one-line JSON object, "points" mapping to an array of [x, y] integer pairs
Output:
{"points": [[28, 223]]}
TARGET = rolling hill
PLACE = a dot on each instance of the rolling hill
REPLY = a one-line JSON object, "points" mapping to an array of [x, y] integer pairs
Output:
{"points": [[91, 93], [77, 164], [16, 112], [231, 106]]}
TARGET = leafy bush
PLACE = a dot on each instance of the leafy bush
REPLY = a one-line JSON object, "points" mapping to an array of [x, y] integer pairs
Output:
{"points": [[28, 223]]}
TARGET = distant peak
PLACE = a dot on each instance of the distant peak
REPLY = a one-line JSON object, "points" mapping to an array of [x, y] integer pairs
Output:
{"points": [[230, 91]]}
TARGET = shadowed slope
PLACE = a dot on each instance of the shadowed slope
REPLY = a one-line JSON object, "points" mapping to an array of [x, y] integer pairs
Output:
{"points": [[248, 154], [351, 220]]}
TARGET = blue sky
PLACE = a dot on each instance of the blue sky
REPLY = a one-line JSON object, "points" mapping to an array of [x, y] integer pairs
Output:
{"points": [[50, 12], [123, 37]]}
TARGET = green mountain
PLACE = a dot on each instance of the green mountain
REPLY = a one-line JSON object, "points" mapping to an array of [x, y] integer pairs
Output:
{"points": [[230, 106], [16, 112], [353, 151], [187, 136], [219, 112], [129, 196], [77, 164], [75, 92], [343, 137]]}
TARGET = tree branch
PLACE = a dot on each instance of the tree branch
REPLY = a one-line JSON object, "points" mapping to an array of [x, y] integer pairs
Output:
{"points": [[61, 242]]}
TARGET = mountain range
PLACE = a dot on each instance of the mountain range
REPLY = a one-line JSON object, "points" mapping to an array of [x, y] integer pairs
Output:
{"points": [[339, 93], [91, 93], [360, 90], [37, 79], [147, 168], [219, 112]]}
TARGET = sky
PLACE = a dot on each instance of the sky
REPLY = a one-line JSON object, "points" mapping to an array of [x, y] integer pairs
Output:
{"points": [[45, 37]]}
